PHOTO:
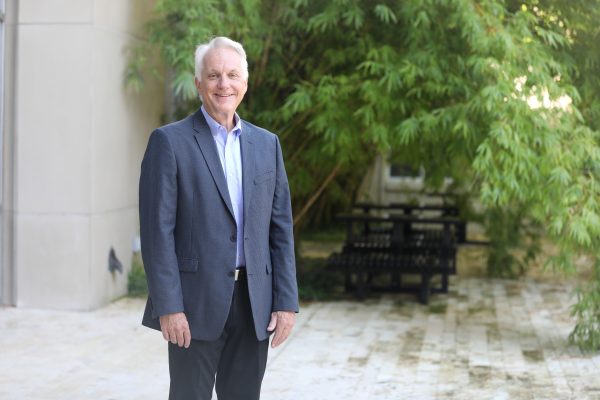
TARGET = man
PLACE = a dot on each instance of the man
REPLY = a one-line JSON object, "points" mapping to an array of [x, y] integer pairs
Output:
{"points": [[217, 241]]}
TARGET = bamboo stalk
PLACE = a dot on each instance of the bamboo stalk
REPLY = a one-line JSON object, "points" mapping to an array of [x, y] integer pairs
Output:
{"points": [[316, 195]]}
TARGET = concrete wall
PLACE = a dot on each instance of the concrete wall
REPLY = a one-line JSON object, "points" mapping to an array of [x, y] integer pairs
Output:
{"points": [[380, 187], [78, 139], [7, 276]]}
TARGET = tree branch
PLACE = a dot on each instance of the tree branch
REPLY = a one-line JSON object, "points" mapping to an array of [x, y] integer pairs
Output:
{"points": [[263, 62], [316, 195]]}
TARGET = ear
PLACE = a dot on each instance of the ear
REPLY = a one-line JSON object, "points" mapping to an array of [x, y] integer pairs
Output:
{"points": [[197, 83]]}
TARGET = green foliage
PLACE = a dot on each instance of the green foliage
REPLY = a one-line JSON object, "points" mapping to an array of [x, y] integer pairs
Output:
{"points": [[513, 243], [136, 279], [499, 95], [331, 234], [316, 283], [587, 312]]}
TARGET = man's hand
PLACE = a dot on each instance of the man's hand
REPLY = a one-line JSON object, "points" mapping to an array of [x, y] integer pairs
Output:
{"points": [[282, 322], [175, 329]]}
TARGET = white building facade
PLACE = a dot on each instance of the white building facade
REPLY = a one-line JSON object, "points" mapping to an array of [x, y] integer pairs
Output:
{"points": [[72, 140]]}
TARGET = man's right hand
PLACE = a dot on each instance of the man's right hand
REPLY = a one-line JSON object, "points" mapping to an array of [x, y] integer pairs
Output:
{"points": [[175, 329]]}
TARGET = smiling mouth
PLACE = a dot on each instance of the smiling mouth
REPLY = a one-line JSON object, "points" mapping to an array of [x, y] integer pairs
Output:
{"points": [[224, 95]]}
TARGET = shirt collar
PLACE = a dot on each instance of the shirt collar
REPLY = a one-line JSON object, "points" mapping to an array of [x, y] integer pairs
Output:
{"points": [[215, 127]]}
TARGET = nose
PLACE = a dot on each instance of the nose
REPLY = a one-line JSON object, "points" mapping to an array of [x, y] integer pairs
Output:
{"points": [[223, 81]]}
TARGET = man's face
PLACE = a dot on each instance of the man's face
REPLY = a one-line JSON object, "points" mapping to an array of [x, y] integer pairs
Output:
{"points": [[223, 85]]}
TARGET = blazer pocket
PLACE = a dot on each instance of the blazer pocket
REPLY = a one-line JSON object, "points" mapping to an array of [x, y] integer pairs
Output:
{"points": [[264, 177], [188, 264]]}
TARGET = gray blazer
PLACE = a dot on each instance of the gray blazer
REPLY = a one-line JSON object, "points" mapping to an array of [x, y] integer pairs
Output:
{"points": [[188, 231]]}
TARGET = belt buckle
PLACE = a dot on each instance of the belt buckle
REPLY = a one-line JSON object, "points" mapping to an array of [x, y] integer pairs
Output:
{"points": [[239, 273]]}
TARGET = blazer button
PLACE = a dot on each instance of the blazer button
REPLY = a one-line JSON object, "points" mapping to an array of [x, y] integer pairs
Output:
{"points": [[232, 238]]}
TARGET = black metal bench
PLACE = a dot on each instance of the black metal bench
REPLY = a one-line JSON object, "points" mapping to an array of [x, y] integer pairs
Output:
{"points": [[443, 210], [397, 245]]}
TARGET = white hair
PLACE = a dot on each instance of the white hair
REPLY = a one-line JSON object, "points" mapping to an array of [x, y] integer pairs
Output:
{"points": [[219, 42]]}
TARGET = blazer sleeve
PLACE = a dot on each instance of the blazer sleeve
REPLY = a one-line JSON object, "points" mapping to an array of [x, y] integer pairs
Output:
{"points": [[281, 242], [158, 208]]}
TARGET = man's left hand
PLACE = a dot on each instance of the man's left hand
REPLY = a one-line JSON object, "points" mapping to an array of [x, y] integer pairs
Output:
{"points": [[282, 322]]}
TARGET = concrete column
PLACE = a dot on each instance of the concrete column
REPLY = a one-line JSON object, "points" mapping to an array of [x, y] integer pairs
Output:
{"points": [[7, 276], [80, 137]]}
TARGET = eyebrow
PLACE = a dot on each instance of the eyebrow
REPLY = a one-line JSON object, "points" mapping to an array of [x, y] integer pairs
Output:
{"points": [[214, 71]]}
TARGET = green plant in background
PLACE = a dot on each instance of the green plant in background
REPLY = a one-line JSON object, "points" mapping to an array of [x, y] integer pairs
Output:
{"points": [[316, 283], [136, 279], [513, 243], [587, 311], [499, 95]]}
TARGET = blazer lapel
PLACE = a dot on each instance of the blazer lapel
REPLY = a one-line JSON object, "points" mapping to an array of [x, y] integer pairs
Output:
{"points": [[248, 165], [209, 151]]}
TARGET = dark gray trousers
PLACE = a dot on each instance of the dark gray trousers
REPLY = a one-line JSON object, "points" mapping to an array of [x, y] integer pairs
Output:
{"points": [[237, 359]]}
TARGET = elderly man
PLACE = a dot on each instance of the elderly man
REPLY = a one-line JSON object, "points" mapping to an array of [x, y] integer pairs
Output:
{"points": [[217, 241]]}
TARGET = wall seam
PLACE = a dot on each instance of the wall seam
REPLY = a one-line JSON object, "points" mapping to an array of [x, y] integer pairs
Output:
{"points": [[91, 158], [12, 133]]}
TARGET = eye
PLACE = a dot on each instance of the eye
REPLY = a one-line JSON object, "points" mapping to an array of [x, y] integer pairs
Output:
{"points": [[234, 75], [212, 76]]}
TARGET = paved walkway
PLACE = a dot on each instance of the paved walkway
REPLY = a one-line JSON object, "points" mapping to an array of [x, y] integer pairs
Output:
{"points": [[486, 339]]}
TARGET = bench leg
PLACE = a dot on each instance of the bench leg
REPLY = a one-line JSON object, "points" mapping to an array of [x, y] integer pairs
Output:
{"points": [[361, 285], [445, 283], [370, 277], [348, 281], [396, 279], [424, 290]]}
